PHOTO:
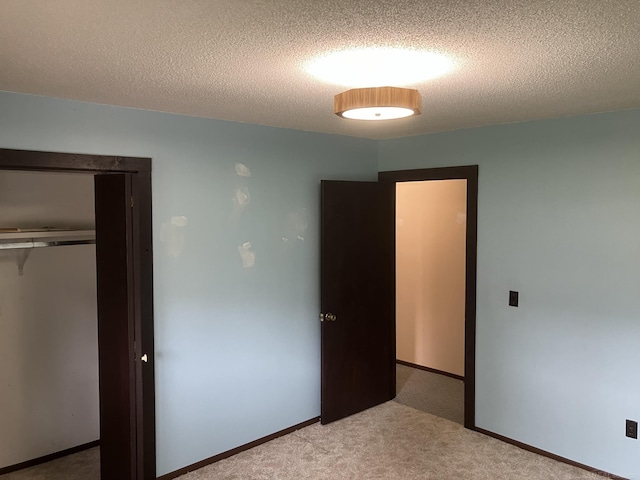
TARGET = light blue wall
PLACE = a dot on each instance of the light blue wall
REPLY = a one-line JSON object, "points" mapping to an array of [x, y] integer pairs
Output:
{"points": [[559, 221], [237, 348]]}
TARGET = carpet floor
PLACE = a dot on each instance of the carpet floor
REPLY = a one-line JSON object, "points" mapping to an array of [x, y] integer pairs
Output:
{"points": [[83, 465], [430, 392], [387, 442]]}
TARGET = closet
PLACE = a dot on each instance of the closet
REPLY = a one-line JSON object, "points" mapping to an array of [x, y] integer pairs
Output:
{"points": [[49, 396]]}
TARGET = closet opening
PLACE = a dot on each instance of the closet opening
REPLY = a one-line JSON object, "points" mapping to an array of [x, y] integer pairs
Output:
{"points": [[124, 292]]}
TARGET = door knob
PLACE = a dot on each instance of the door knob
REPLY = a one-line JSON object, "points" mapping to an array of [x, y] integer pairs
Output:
{"points": [[329, 317], [144, 358]]}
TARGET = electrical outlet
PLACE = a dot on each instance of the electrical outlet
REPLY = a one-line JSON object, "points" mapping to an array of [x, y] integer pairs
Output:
{"points": [[632, 429], [513, 298]]}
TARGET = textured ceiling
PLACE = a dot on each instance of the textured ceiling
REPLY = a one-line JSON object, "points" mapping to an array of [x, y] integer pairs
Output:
{"points": [[244, 60]]}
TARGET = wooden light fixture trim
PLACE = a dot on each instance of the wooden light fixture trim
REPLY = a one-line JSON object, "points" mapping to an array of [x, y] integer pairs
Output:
{"points": [[378, 97]]}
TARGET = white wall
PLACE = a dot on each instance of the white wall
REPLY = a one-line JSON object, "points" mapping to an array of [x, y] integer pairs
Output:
{"points": [[558, 221], [236, 217], [48, 322], [430, 273]]}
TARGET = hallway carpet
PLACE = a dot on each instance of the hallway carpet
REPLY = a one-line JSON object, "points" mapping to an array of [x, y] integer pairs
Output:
{"points": [[433, 393]]}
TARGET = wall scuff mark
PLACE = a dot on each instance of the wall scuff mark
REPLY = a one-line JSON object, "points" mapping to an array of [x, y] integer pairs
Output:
{"points": [[172, 235]]}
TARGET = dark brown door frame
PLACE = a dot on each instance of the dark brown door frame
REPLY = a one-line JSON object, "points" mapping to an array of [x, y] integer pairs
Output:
{"points": [[140, 169], [470, 174]]}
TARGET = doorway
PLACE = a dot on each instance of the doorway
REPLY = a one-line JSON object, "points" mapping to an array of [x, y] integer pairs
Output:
{"points": [[128, 412], [430, 261], [469, 174]]}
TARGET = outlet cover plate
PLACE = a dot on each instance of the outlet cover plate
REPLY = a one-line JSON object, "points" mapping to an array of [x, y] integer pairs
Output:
{"points": [[513, 298], [632, 429]]}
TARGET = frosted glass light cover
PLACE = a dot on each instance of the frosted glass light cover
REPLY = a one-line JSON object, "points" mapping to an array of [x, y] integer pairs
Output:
{"points": [[377, 113]]}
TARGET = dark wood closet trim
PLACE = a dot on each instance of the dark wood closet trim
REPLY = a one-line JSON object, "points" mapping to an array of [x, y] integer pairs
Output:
{"points": [[143, 307], [48, 458], [235, 451], [140, 168], [429, 369], [544, 453], [70, 162], [470, 174]]}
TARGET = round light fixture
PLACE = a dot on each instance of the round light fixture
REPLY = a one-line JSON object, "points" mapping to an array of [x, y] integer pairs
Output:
{"points": [[378, 103]]}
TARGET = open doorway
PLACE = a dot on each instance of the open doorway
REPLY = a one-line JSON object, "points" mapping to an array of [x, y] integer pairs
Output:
{"points": [[430, 293], [125, 306], [445, 358]]}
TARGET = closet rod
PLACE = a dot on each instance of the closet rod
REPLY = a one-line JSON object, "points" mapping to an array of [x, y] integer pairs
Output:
{"points": [[44, 243]]}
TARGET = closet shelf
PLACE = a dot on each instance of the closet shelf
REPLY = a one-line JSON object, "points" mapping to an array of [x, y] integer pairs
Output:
{"points": [[12, 240]]}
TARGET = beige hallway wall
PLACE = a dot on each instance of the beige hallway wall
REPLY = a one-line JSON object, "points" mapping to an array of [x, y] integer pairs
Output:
{"points": [[430, 273]]}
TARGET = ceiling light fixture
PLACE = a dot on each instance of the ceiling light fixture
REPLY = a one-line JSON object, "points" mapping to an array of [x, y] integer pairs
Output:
{"points": [[377, 103]]}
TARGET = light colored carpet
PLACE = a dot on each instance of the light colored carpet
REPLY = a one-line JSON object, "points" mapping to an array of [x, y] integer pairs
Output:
{"points": [[433, 393], [387, 442], [83, 465]]}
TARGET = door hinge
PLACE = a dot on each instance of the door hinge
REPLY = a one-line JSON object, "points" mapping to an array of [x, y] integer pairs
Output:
{"points": [[131, 201]]}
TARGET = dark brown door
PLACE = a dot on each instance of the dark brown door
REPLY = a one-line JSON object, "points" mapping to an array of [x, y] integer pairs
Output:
{"points": [[116, 327], [357, 297]]}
